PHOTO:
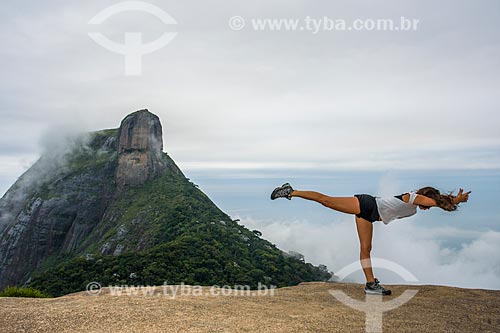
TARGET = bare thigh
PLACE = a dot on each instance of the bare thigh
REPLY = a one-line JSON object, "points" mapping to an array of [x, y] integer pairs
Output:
{"points": [[349, 205]]}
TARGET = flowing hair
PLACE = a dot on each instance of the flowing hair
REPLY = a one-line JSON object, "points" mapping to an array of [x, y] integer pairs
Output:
{"points": [[443, 201]]}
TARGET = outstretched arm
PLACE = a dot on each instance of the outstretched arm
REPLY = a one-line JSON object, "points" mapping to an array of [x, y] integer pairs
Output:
{"points": [[422, 200]]}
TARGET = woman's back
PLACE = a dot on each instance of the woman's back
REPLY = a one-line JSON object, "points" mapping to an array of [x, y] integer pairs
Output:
{"points": [[392, 208]]}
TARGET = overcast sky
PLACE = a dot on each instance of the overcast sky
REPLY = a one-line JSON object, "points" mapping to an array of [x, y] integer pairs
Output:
{"points": [[335, 99], [263, 100]]}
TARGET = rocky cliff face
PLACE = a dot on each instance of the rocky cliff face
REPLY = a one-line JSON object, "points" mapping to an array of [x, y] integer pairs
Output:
{"points": [[56, 205], [53, 207], [140, 148]]}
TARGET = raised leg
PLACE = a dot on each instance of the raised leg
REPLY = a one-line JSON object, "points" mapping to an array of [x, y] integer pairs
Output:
{"points": [[349, 205], [365, 234]]}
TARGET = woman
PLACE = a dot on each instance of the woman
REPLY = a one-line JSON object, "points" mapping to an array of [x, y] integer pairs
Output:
{"points": [[369, 209]]}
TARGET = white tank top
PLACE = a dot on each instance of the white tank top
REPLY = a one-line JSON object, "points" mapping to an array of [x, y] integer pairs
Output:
{"points": [[391, 208]]}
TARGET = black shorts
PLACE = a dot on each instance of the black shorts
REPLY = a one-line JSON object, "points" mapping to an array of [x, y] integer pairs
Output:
{"points": [[368, 207]]}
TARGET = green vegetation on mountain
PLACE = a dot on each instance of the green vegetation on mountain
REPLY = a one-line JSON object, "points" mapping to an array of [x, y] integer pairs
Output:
{"points": [[184, 237]]}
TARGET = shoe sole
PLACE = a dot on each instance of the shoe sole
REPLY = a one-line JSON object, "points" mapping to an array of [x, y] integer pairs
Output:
{"points": [[274, 193], [273, 197], [373, 292]]}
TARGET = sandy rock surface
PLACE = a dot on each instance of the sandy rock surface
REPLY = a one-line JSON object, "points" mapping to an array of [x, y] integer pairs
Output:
{"points": [[309, 307]]}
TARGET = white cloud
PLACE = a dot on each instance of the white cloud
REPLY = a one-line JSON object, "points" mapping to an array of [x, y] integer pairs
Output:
{"points": [[426, 252]]}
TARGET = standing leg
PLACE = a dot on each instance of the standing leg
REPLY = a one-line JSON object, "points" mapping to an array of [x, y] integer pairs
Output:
{"points": [[365, 233], [349, 205]]}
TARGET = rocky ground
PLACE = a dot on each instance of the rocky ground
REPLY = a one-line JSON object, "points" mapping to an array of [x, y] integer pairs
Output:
{"points": [[309, 307]]}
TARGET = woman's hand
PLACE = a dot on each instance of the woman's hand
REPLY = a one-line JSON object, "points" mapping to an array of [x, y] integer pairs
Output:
{"points": [[461, 196]]}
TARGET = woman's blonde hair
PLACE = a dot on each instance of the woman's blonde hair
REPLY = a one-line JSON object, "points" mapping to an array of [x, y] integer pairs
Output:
{"points": [[443, 201]]}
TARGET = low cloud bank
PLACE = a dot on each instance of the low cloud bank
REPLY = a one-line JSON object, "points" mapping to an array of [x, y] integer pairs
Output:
{"points": [[442, 256]]}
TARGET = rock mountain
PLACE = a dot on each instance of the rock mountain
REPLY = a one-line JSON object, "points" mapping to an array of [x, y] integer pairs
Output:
{"points": [[111, 206]]}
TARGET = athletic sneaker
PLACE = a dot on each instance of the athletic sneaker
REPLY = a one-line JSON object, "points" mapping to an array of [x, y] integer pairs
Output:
{"points": [[374, 288], [284, 191]]}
